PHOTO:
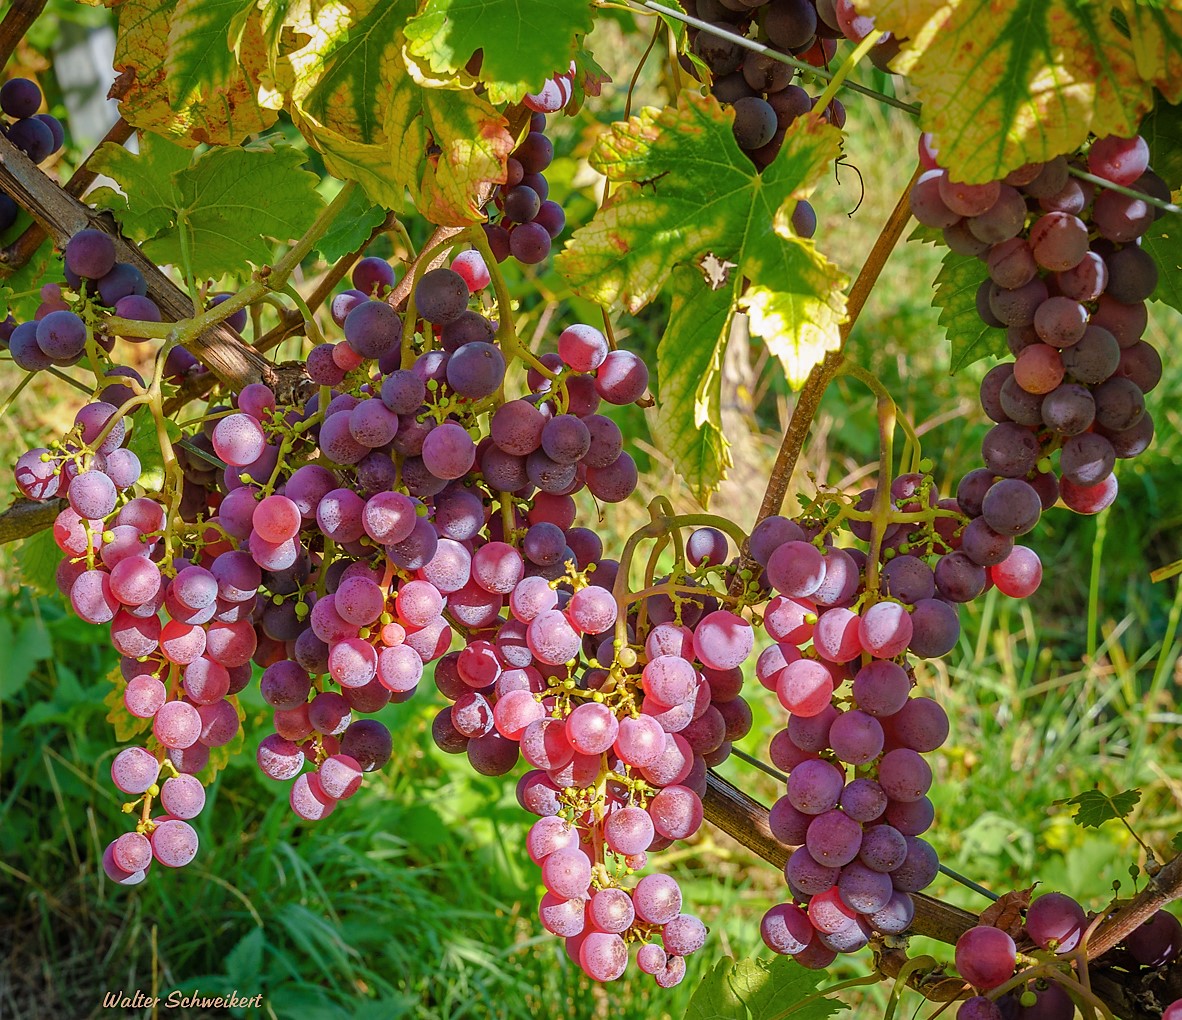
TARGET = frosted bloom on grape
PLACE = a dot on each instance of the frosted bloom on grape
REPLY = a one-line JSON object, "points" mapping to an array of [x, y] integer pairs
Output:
{"points": [[174, 843], [238, 439], [134, 770], [723, 640]]}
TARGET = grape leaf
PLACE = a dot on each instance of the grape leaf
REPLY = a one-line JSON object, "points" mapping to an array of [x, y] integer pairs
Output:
{"points": [[145, 444], [1163, 241], [230, 202], [147, 206], [351, 229], [955, 295], [177, 76], [354, 98], [1007, 84], [687, 423], [686, 195], [523, 42], [1162, 129], [37, 559], [1093, 807], [760, 990]]}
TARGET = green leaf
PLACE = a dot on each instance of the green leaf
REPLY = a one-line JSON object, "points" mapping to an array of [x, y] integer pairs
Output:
{"points": [[760, 990], [351, 229], [354, 98], [25, 642], [20, 294], [687, 420], [1002, 85], [523, 42], [177, 73], [231, 203], [1093, 807], [147, 207], [956, 296], [1162, 129], [244, 963], [1176, 843], [687, 196], [1163, 241], [37, 559], [127, 726]]}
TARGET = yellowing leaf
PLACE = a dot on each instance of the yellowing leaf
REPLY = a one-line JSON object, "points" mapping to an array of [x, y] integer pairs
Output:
{"points": [[689, 202], [687, 423], [178, 77], [523, 42], [353, 97], [1020, 82]]}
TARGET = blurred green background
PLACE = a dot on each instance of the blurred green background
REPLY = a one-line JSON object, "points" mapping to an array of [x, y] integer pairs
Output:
{"points": [[416, 898]]}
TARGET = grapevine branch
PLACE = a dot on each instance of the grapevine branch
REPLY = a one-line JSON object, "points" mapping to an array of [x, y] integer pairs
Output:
{"points": [[819, 378], [16, 23], [24, 247], [62, 215], [745, 820]]}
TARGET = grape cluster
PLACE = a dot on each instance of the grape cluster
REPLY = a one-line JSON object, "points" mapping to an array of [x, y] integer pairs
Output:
{"points": [[171, 629], [61, 327], [856, 801], [523, 220], [37, 135], [986, 957], [1068, 282], [759, 88]]}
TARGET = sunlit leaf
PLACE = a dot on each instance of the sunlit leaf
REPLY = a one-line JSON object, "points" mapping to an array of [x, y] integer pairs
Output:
{"points": [[686, 196], [1007, 84], [178, 76], [1094, 807], [761, 990], [522, 42]]}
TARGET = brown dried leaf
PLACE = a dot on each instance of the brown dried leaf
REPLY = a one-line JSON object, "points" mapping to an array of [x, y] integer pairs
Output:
{"points": [[1006, 913]]}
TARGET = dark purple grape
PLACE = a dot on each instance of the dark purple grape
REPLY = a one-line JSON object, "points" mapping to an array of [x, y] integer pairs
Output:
{"points": [[20, 97], [441, 296], [755, 122], [90, 254]]}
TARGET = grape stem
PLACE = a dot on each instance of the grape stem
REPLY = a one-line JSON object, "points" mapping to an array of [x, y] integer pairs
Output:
{"points": [[506, 331], [1121, 189], [826, 97], [819, 378]]}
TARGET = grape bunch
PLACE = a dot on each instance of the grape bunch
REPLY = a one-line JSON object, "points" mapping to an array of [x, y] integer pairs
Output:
{"points": [[165, 620], [986, 957], [760, 89], [37, 135], [61, 327], [523, 220], [1068, 282]]}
